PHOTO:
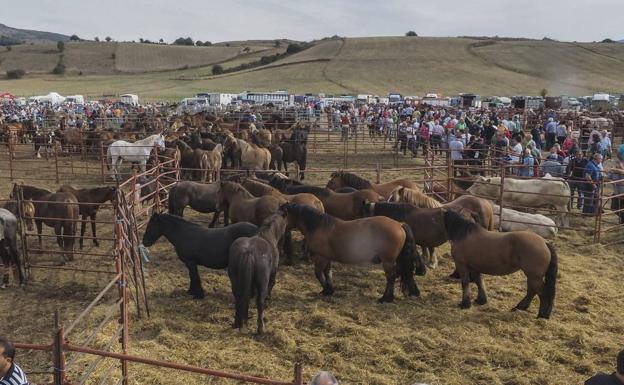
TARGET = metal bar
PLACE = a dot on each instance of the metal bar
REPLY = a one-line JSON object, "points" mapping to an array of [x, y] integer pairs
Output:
{"points": [[171, 365], [93, 303]]}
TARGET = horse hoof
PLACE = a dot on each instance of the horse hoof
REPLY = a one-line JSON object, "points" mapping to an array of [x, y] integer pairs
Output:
{"points": [[385, 299], [454, 275], [481, 301], [465, 305], [198, 296]]}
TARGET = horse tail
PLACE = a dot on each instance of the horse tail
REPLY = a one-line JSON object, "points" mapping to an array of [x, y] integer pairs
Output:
{"points": [[547, 299], [406, 262], [108, 157], [171, 201], [491, 218], [242, 286]]}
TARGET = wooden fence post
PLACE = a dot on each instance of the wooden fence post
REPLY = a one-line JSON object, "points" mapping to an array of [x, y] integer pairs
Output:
{"points": [[56, 166], [25, 260], [598, 214], [58, 357], [11, 155], [500, 198], [103, 160], [298, 374]]}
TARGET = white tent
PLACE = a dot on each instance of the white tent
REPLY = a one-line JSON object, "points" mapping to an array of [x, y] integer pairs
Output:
{"points": [[52, 97]]}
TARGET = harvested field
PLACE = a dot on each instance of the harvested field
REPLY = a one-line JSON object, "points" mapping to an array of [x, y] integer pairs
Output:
{"points": [[427, 339]]}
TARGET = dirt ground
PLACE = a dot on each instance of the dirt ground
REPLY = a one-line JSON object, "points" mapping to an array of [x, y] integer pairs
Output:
{"points": [[427, 339]]}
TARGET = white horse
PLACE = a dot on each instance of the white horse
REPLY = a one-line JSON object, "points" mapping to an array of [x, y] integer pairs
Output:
{"points": [[138, 151]]}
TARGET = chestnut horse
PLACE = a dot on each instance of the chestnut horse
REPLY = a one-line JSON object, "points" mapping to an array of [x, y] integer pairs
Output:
{"points": [[361, 241]]}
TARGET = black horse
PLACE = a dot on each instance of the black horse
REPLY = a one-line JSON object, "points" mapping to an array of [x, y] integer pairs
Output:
{"points": [[252, 268], [297, 152], [195, 244]]}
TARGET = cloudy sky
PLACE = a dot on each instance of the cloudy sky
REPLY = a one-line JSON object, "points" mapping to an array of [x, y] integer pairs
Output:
{"points": [[571, 20]]}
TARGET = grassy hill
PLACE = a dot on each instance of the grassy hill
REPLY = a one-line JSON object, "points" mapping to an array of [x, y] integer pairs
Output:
{"points": [[28, 36], [410, 65]]}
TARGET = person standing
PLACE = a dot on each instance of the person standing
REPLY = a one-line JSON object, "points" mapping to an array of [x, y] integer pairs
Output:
{"points": [[456, 147], [562, 132], [551, 133], [592, 187], [10, 372]]}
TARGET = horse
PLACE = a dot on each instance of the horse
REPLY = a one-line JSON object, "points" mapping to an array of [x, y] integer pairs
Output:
{"points": [[58, 210], [416, 197], [138, 151], [340, 179], [242, 206], [346, 206], [293, 151], [215, 159], [90, 199], [426, 223], [196, 245], [194, 163], [252, 268], [477, 251], [8, 248], [28, 212], [254, 157], [201, 197], [361, 241]]}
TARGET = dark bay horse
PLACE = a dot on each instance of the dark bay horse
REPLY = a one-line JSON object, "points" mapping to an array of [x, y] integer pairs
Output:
{"points": [[253, 266], [94, 197], [196, 245], [361, 241], [340, 179], [477, 251], [199, 196], [57, 210], [346, 206]]}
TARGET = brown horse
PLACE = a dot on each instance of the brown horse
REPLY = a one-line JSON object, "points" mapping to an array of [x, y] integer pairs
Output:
{"points": [[242, 206], [346, 206], [90, 199], [480, 209], [361, 241], [477, 251], [339, 179], [193, 162], [58, 210], [259, 189]]}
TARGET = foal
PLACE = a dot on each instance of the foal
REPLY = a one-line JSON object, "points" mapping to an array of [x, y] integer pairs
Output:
{"points": [[253, 266]]}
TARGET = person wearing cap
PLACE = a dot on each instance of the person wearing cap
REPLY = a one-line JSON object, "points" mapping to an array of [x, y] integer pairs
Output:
{"points": [[592, 176]]}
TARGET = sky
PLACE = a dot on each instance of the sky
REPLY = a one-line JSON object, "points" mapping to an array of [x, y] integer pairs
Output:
{"points": [[226, 20]]}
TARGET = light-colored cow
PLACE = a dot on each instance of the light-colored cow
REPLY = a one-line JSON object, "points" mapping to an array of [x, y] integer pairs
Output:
{"points": [[517, 221], [547, 192]]}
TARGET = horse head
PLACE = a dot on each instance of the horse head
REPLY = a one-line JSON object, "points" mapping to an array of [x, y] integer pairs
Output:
{"points": [[160, 141], [335, 181], [28, 213], [152, 230]]}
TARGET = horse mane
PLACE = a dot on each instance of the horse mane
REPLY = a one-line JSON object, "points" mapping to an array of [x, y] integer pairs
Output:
{"points": [[236, 187], [261, 185], [311, 217], [353, 180], [396, 210], [457, 227], [36, 190], [145, 140], [420, 199]]}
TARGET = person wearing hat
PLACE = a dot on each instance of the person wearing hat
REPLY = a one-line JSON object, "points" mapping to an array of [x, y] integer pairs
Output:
{"points": [[324, 378], [615, 378]]}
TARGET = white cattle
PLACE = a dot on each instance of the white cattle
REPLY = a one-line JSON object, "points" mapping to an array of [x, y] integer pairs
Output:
{"points": [[547, 192], [517, 221]]}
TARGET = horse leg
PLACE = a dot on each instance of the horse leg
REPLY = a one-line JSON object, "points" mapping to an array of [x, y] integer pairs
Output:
{"points": [[464, 274], [82, 230], [95, 241], [433, 257], [288, 249], [196, 288], [261, 295], [526, 301], [328, 278], [14, 255], [481, 296], [215, 219], [68, 240], [58, 230], [319, 267], [6, 266], [391, 274], [39, 225]]}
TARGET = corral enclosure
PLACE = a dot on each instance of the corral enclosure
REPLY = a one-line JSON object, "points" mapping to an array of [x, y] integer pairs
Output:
{"points": [[427, 339]]}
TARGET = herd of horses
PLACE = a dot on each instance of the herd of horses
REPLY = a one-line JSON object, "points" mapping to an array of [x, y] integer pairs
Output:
{"points": [[350, 221]]}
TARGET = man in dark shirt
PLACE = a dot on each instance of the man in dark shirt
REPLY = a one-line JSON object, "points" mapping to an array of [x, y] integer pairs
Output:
{"points": [[615, 378]]}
